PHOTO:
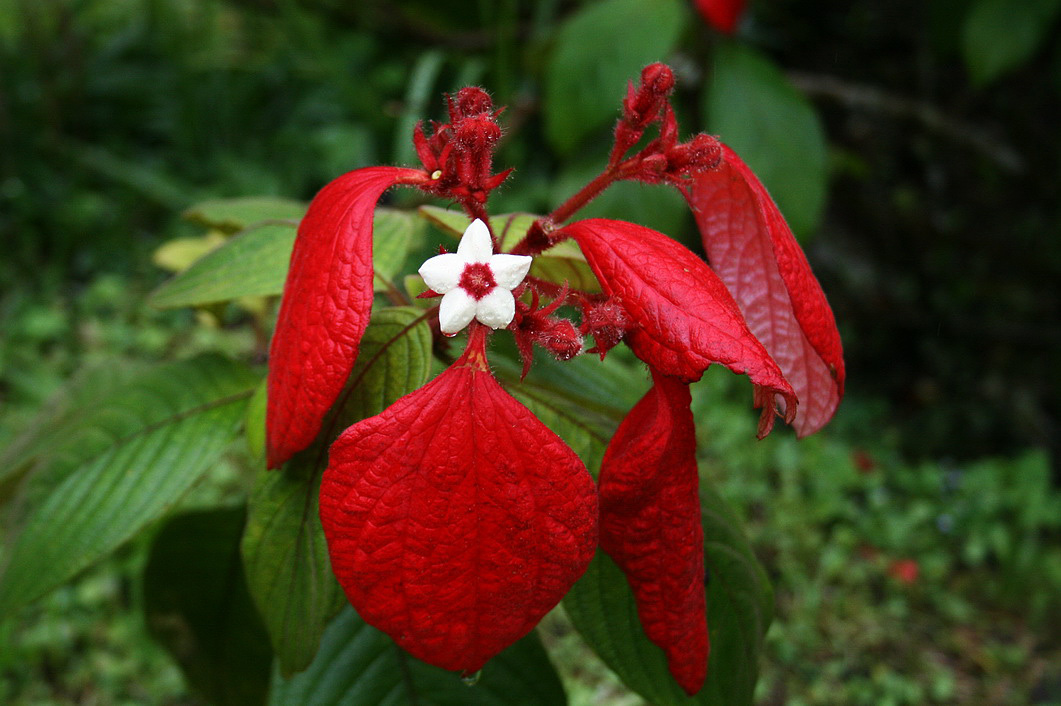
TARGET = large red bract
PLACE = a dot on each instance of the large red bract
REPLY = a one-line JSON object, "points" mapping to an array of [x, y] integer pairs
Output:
{"points": [[455, 519]]}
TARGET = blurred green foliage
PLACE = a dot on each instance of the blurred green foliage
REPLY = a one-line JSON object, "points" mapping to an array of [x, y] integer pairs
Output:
{"points": [[937, 245]]}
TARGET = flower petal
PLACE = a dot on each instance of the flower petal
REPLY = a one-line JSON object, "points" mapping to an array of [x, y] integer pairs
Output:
{"points": [[475, 244], [509, 270], [754, 252], [687, 318], [442, 272], [496, 309], [455, 519], [651, 527], [456, 310], [325, 308]]}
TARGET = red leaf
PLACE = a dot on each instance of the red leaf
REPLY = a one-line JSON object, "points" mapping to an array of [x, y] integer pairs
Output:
{"points": [[650, 524], [325, 309], [723, 15], [687, 318], [753, 250], [455, 519]]}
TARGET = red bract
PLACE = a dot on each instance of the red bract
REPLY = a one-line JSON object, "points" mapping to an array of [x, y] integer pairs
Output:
{"points": [[752, 249], [325, 308], [687, 319], [723, 15], [455, 519], [650, 524]]}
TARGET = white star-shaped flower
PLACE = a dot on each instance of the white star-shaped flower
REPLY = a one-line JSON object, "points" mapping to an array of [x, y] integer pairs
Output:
{"points": [[475, 283]]}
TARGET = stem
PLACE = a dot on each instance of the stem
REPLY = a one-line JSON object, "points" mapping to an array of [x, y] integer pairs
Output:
{"points": [[538, 238], [474, 355], [584, 195]]}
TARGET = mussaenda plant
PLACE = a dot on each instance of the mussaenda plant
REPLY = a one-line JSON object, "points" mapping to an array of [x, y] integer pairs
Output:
{"points": [[455, 519]]}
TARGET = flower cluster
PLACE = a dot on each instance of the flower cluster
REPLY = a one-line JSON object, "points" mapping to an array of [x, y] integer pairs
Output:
{"points": [[455, 519]]}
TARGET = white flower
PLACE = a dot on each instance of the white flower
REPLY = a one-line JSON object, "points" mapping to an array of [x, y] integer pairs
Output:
{"points": [[476, 284]]}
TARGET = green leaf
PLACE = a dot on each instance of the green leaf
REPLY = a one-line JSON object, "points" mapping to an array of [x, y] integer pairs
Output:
{"points": [[598, 50], [251, 263], [394, 360], [117, 485], [103, 405], [611, 386], [564, 262], [286, 559], [756, 111], [254, 422], [197, 606], [359, 666], [392, 233], [178, 254], [284, 550], [1000, 35], [233, 215], [255, 261], [739, 609], [82, 410], [509, 228], [449, 221]]}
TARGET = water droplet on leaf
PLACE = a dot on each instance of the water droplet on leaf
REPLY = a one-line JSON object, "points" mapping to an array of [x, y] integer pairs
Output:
{"points": [[472, 679]]}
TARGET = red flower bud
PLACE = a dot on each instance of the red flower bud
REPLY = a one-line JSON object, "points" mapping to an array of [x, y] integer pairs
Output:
{"points": [[471, 101], [698, 155], [459, 154], [642, 107], [607, 321], [538, 326]]}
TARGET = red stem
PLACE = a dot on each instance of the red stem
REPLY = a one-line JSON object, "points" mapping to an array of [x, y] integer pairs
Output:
{"points": [[538, 238]]}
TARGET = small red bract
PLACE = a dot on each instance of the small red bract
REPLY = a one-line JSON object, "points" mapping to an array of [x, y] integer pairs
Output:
{"points": [[454, 518], [650, 524]]}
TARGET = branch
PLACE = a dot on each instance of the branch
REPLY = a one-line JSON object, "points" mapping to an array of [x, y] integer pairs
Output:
{"points": [[854, 95]]}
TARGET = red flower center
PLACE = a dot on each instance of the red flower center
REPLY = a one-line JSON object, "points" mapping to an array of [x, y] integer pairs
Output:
{"points": [[477, 279]]}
